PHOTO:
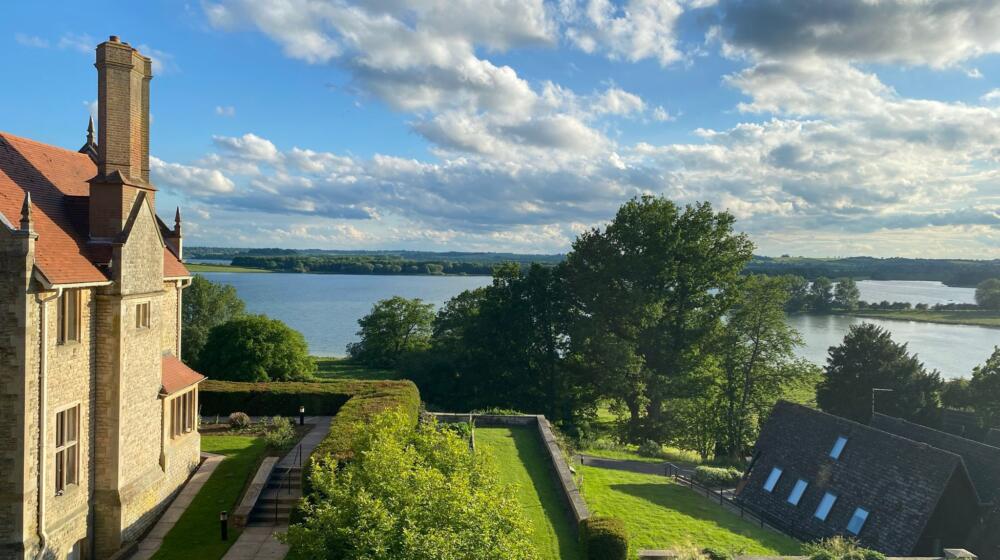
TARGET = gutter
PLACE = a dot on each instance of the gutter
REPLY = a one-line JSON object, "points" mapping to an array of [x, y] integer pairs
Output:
{"points": [[42, 413]]}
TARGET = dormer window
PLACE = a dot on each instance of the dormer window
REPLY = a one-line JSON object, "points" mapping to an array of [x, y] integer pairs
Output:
{"points": [[838, 447], [772, 479]]}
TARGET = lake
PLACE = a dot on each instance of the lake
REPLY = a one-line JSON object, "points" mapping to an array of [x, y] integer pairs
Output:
{"points": [[326, 308]]}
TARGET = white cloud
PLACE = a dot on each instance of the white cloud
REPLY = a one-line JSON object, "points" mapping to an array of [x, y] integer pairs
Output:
{"points": [[162, 62], [193, 181], [225, 110], [249, 147], [616, 101], [991, 96], [662, 115], [77, 42], [31, 41], [636, 30]]}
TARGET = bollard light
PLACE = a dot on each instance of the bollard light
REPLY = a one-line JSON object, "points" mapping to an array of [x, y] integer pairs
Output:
{"points": [[224, 524], [302, 415]]}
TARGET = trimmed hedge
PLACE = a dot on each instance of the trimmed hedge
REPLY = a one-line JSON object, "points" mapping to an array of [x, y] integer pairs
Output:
{"points": [[272, 399], [716, 477], [604, 538], [375, 397]]}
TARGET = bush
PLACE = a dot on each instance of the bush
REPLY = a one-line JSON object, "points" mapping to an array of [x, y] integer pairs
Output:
{"points": [[716, 477], [716, 554], [370, 399], [256, 348], [280, 433], [239, 420], [604, 538], [650, 448], [839, 548]]}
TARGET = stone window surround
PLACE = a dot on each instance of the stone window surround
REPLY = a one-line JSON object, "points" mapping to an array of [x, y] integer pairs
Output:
{"points": [[175, 426], [68, 487], [143, 319], [69, 322]]}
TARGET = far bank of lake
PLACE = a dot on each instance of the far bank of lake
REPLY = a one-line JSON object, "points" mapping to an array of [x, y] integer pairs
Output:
{"points": [[326, 307]]}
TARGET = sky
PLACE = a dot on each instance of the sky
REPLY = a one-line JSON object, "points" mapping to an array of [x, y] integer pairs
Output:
{"points": [[856, 127]]}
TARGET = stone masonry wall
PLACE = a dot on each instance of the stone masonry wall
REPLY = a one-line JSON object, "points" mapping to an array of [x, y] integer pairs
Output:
{"points": [[168, 318]]}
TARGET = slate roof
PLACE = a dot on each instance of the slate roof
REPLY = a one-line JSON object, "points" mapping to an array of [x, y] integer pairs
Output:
{"points": [[981, 460], [897, 480], [57, 180], [177, 375]]}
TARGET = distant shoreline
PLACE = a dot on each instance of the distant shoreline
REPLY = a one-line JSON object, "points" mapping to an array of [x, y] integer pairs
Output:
{"points": [[199, 267], [975, 318]]}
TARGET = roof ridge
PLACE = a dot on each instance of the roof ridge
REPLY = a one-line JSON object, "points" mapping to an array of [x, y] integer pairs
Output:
{"points": [[8, 135], [948, 435]]}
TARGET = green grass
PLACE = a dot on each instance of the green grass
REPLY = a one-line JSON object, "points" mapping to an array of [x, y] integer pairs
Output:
{"points": [[198, 527], [340, 368], [661, 514], [523, 463], [982, 318], [196, 267], [630, 453]]}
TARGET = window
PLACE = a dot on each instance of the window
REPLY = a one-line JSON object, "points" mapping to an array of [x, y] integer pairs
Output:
{"points": [[142, 315], [772, 479], [797, 491], [69, 316], [182, 414], [857, 521], [825, 506], [838, 447], [67, 448]]}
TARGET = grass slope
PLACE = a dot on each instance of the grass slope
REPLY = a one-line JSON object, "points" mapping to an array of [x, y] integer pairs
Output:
{"points": [[661, 514], [198, 527], [522, 462], [196, 267], [340, 368], [982, 318]]}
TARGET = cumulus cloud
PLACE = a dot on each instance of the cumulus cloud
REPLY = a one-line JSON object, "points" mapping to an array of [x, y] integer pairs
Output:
{"points": [[195, 181], [225, 110], [632, 31], [31, 41]]}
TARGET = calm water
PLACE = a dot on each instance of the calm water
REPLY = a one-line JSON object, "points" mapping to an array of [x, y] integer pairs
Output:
{"points": [[326, 308]]}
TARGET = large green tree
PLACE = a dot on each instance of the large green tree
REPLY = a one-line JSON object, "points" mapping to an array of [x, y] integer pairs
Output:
{"points": [[256, 348], [846, 295], [757, 364], [988, 293], [821, 294], [411, 493], [205, 304], [393, 328], [867, 359], [984, 391], [656, 282]]}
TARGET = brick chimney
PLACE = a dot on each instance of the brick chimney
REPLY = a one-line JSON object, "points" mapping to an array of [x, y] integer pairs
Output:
{"points": [[123, 76]]}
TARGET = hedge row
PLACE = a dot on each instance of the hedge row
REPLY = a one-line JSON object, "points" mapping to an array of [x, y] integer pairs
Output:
{"points": [[604, 538], [717, 477], [374, 397], [272, 399]]}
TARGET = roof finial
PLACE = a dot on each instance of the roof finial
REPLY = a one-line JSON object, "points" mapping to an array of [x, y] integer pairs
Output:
{"points": [[90, 130], [177, 221], [26, 224]]}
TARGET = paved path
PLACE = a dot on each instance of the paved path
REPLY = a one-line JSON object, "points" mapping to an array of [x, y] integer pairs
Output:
{"points": [[257, 542], [154, 539]]}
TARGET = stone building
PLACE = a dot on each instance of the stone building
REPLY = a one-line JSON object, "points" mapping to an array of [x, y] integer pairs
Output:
{"points": [[97, 413], [815, 475]]}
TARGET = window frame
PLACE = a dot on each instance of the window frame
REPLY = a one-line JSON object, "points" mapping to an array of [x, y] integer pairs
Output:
{"points": [[832, 502], [142, 315], [796, 492], [861, 524], [182, 414], [838, 448], [775, 474], [69, 316], [67, 452]]}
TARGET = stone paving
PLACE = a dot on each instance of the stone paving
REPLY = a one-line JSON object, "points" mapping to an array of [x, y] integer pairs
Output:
{"points": [[154, 539]]}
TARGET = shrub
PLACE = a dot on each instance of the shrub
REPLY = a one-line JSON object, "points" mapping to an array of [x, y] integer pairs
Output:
{"points": [[256, 348], [400, 496], [716, 477], [650, 448], [604, 538], [716, 554], [497, 411], [370, 399], [280, 433], [839, 548], [239, 420]]}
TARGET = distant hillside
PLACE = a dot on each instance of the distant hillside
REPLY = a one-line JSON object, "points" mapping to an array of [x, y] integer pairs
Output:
{"points": [[953, 272]]}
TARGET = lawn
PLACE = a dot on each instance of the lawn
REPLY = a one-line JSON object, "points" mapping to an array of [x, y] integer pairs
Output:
{"points": [[661, 514], [340, 368], [198, 527], [523, 463], [982, 318], [196, 267]]}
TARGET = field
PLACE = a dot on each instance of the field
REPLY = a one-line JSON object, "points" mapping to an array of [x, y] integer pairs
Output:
{"points": [[196, 267], [661, 514], [198, 527], [982, 318], [339, 368], [522, 462]]}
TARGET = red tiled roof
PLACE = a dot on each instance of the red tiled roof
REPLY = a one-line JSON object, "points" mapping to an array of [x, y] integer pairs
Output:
{"points": [[177, 376], [57, 180]]}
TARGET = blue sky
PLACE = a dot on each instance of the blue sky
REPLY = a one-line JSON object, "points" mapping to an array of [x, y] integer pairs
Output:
{"points": [[828, 129]]}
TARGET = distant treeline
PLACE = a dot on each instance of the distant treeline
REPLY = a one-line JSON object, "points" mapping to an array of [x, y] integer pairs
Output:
{"points": [[363, 265], [953, 272]]}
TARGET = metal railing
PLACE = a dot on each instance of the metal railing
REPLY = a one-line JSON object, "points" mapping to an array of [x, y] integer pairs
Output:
{"points": [[677, 474], [285, 479]]}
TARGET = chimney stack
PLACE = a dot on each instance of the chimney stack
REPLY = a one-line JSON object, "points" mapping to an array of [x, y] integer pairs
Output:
{"points": [[123, 76]]}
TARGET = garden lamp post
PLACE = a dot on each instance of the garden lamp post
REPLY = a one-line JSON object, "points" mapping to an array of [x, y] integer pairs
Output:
{"points": [[874, 391], [302, 415], [224, 524]]}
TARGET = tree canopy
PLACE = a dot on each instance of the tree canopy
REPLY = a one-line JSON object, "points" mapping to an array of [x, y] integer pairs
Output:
{"points": [[984, 391], [393, 327], [204, 305], [867, 359], [411, 493], [256, 348], [988, 293]]}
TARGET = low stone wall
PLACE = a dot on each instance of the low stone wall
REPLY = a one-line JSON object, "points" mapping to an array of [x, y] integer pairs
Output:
{"points": [[250, 497], [949, 554], [560, 468]]}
